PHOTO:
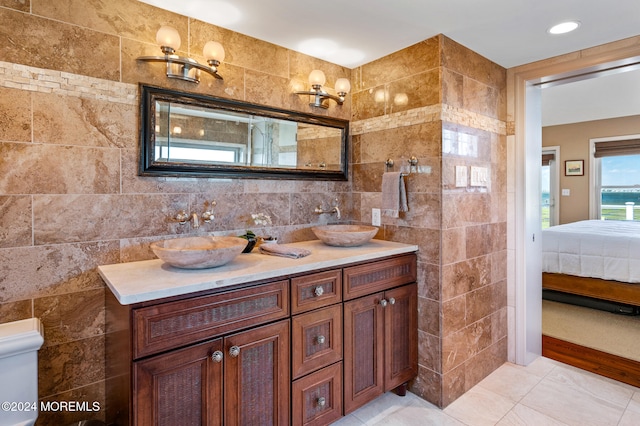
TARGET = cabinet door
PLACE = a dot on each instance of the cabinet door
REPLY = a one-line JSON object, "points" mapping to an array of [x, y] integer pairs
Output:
{"points": [[183, 387], [401, 335], [257, 376], [363, 351]]}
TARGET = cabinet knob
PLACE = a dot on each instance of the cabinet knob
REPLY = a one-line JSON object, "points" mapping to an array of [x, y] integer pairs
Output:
{"points": [[392, 301], [234, 351], [383, 303], [320, 340], [217, 356], [318, 291], [321, 401]]}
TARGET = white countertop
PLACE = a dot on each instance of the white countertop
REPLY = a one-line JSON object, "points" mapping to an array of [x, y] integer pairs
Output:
{"points": [[147, 280]]}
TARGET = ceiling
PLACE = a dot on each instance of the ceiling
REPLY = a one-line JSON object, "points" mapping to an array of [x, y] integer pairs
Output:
{"points": [[508, 32]]}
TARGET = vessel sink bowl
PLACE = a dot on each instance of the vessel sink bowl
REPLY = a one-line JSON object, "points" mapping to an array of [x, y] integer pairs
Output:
{"points": [[345, 235], [199, 252]]}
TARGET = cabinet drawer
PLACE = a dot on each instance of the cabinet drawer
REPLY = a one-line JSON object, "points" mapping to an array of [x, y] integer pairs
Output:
{"points": [[317, 339], [378, 276], [317, 398], [316, 290], [173, 324]]}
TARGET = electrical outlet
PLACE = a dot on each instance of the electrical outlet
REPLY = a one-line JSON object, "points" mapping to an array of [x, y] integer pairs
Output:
{"points": [[375, 217]]}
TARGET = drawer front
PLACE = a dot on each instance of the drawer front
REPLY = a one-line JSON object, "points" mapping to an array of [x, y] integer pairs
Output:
{"points": [[173, 324], [317, 398], [378, 276], [316, 290], [317, 340]]}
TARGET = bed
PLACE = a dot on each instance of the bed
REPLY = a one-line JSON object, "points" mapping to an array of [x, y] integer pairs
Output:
{"points": [[593, 258]]}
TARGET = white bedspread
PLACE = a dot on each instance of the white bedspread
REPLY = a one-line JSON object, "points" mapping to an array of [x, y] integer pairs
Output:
{"points": [[605, 249]]}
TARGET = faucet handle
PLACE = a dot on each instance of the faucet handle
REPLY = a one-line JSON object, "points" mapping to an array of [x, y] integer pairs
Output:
{"points": [[181, 217], [208, 215]]}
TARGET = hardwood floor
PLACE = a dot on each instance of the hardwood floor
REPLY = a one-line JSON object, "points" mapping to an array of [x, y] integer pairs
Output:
{"points": [[598, 362]]}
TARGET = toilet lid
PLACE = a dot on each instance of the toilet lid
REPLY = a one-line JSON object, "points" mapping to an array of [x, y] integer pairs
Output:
{"points": [[20, 336]]}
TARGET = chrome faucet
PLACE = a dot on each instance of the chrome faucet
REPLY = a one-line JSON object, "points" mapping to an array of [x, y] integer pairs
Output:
{"points": [[196, 221], [207, 216]]}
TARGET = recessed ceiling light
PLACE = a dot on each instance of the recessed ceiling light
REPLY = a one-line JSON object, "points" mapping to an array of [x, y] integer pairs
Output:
{"points": [[564, 27]]}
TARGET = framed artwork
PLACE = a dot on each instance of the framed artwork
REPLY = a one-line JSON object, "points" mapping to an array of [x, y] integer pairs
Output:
{"points": [[574, 168]]}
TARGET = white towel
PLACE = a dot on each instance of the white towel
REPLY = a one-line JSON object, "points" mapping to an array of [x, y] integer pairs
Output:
{"points": [[394, 194]]}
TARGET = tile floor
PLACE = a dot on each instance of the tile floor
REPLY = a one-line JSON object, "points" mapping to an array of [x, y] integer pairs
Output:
{"points": [[545, 392]]}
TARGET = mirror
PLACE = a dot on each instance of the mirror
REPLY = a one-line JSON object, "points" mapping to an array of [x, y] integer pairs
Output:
{"points": [[187, 134]]}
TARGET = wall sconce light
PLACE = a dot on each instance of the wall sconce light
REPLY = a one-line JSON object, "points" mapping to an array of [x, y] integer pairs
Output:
{"points": [[183, 68], [316, 80]]}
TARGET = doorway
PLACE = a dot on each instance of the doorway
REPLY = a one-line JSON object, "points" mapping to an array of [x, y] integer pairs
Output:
{"points": [[524, 146]]}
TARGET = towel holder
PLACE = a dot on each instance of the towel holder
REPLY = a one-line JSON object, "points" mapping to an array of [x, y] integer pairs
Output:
{"points": [[413, 162]]}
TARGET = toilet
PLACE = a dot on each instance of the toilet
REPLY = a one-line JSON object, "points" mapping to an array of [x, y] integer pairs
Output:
{"points": [[19, 344]]}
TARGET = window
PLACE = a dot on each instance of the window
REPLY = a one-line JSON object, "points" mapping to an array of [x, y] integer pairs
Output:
{"points": [[617, 179]]}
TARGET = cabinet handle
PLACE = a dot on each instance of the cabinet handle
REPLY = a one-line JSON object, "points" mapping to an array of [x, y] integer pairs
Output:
{"points": [[234, 351], [318, 291], [320, 340], [217, 356], [392, 301], [383, 303], [321, 401]]}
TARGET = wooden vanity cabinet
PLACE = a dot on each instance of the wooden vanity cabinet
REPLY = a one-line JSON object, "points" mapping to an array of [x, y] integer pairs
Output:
{"points": [[380, 330]]}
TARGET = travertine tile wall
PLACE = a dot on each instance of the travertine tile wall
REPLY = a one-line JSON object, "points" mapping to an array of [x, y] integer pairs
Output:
{"points": [[70, 197], [445, 105]]}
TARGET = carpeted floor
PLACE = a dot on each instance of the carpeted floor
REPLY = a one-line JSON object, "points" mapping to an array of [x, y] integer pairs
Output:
{"points": [[611, 333]]}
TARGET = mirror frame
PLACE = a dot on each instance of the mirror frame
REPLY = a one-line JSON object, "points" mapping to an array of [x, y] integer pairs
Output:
{"points": [[149, 167]]}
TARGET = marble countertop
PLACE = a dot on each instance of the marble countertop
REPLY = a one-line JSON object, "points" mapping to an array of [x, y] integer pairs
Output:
{"points": [[148, 280]]}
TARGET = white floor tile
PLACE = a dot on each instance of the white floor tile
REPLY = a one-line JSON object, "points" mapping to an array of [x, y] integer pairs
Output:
{"points": [[511, 382], [521, 415], [479, 407]]}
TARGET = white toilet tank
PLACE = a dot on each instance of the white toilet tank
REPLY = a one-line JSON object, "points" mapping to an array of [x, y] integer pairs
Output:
{"points": [[19, 344]]}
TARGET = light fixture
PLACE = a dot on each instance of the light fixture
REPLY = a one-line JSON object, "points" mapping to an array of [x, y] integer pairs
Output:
{"points": [[564, 27], [316, 80], [183, 68]]}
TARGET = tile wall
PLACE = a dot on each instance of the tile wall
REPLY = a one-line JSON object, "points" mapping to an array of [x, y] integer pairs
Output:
{"points": [[70, 197]]}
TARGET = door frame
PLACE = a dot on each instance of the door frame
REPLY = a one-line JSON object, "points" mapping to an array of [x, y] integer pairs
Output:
{"points": [[524, 306], [554, 184]]}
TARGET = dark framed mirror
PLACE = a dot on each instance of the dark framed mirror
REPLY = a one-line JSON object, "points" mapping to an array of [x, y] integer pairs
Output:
{"points": [[194, 135]]}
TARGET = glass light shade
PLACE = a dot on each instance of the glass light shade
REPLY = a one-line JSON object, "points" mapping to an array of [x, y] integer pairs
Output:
{"points": [[213, 50], [317, 77], [343, 85], [168, 36]]}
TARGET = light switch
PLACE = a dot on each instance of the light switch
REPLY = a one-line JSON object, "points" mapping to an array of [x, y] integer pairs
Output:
{"points": [[461, 176], [566, 192], [479, 176]]}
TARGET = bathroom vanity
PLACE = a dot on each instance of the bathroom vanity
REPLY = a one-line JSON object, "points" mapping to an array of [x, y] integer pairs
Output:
{"points": [[262, 340]]}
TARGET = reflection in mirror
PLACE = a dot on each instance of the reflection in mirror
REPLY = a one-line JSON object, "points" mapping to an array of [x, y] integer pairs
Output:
{"points": [[199, 136]]}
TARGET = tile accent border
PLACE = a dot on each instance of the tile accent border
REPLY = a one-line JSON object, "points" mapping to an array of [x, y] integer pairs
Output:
{"points": [[428, 114], [17, 76]]}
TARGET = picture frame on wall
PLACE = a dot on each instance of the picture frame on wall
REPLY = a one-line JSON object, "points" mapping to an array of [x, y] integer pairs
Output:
{"points": [[574, 168]]}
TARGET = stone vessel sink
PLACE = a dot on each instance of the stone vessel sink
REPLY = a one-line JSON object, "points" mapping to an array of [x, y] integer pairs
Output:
{"points": [[345, 235], [198, 252]]}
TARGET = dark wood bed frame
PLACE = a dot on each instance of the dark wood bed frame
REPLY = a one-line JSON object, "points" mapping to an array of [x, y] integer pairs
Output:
{"points": [[614, 291], [612, 366]]}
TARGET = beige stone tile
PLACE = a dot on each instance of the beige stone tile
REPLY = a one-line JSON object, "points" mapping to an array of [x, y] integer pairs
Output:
{"points": [[413, 92], [429, 280], [479, 407], [15, 221], [428, 385], [49, 169], [15, 115], [462, 277], [454, 315], [60, 119], [368, 104], [429, 351], [52, 270], [429, 316], [412, 60], [21, 5], [70, 365], [480, 98], [471, 64], [72, 316], [510, 381], [56, 45], [522, 415], [104, 217], [15, 311], [130, 19], [267, 89]]}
